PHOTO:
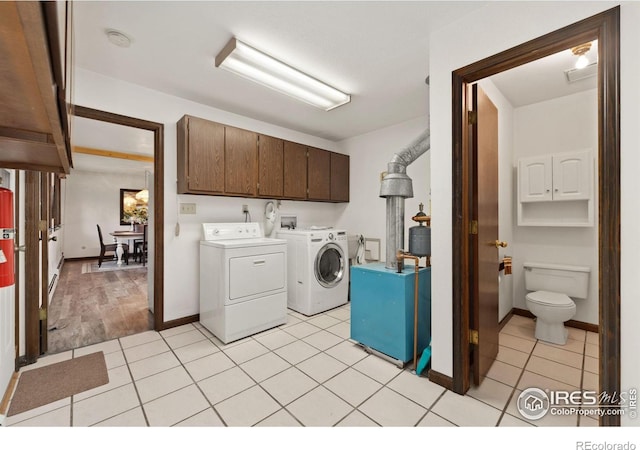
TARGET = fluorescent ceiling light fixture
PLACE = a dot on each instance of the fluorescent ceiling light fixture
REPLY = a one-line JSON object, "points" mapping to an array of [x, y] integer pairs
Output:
{"points": [[246, 61]]}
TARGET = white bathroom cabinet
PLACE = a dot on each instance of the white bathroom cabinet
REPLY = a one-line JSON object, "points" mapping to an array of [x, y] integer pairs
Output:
{"points": [[556, 190]]}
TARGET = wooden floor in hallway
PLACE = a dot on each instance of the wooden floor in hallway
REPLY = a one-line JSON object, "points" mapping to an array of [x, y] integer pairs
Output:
{"points": [[92, 304]]}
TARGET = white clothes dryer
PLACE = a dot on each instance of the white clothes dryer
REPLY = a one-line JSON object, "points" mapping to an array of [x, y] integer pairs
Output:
{"points": [[318, 269]]}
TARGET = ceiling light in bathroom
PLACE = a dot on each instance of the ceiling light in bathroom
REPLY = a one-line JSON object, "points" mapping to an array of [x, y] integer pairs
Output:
{"points": [[581, 52]]}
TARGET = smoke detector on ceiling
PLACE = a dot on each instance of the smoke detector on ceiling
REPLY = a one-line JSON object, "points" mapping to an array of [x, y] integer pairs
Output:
{"points": [[118, 38]]}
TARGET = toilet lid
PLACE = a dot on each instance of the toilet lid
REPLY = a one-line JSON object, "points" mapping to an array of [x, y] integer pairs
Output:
{"points": [[550, 298]]}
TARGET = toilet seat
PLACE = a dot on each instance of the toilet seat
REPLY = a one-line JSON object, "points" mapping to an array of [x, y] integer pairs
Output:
{"points": [[552, 299]]}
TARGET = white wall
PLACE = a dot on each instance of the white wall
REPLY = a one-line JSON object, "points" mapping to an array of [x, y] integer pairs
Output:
{"points": [[560, 125], [92, 198], [494, 28], [505, 191], [369, 154], [181, 252]]}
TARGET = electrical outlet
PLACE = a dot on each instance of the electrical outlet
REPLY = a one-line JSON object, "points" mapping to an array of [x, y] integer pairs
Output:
{"points": [[187, 208], [245, 208]]}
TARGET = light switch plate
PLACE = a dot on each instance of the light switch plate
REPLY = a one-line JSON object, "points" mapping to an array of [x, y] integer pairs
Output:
{"points": [[187, 208]]}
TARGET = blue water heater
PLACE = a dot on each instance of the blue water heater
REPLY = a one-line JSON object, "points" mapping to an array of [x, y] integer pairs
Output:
{"points": [[382, 309]]}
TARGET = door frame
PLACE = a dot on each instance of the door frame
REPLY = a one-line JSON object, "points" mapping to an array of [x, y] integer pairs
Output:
{"points": [[158, 197], [605, 27]]}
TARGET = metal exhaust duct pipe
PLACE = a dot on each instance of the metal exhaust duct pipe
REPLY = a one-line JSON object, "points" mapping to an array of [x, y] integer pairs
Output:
{"points": [[396, 186]]}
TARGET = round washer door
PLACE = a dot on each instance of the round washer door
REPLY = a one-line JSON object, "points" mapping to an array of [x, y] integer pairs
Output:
{"points": [[329, 265]]}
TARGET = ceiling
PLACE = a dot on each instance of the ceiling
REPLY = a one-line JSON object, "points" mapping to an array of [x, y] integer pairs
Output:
{"points": [[375, 51]]}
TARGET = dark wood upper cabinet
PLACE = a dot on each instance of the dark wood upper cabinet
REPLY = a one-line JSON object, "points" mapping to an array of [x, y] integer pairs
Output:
{"points": [[241, 147], [295, 170], [319, 174], [201, 156], [270, 166], [339, 177]]}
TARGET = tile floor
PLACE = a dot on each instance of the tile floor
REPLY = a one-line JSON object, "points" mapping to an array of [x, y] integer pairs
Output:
{"points": [[307, 373]]}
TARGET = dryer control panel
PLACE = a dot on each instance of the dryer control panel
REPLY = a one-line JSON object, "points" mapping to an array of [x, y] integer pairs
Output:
{"points": [[219, 231]]}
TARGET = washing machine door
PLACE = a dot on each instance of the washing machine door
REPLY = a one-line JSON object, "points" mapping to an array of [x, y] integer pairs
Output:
{"points": [[329, 265]]}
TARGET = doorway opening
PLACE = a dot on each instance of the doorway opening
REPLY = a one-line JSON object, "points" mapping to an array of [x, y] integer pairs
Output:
{"points": [[605, 29]]}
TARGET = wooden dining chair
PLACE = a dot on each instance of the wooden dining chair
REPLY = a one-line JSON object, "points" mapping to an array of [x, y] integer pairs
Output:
{"points": [[104, 248], [140, 247]]}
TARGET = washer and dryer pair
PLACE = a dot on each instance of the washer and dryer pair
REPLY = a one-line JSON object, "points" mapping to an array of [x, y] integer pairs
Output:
{"points": [[318, 269]]}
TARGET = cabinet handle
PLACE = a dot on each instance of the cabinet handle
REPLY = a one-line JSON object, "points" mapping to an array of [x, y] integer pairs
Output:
{"points": [[259, 262]]}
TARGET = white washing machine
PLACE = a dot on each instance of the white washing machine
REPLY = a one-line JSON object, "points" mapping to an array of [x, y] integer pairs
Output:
{"points": [[243, 280], [318, 269]]}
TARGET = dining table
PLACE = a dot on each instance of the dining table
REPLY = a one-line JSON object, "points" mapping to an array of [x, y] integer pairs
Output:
{"points": [[119, 236]]}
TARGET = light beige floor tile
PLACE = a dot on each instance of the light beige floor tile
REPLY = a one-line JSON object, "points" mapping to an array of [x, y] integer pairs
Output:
{"points": [[206, 418], [463, 410], [339, 313], [196, 350], [175, 407], [390, 409], [434, 420], [512, 357], [558, 355], [418, 389], [296, 352], [297, 315], [504, 373], [222, 346], [203, 330], [114, 359], [139, 339], [509, 421], [177, 330], [530, 379], [557, 371], [48, 360], [155, 364], [145, 350], [132, 418], [591, 364], [323, 321], [225, 384], [577, 334], [491, 392], [590, 381], [322, 340], [276, 339], [60, 417], [522, 321], [593, 338], [347, 352], [265, 366], [343, 329], [548, 420], [356, 419], [377, 368], [586, 421], [291, 321], [247, 408], [105, 347], [319, 408], [522, 332], [182, 339], [572, 345], [32, 413], [289, 385], [516, 343], [321, 367], [352, 386], [104, 406], [245, 351], [592, 350], [209, 365], [281, 418], [162, 383], [118, 376], [302, 329]]}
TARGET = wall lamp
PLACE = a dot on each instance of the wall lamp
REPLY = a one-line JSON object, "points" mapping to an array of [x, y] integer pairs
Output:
{"points": [[246, 61]]}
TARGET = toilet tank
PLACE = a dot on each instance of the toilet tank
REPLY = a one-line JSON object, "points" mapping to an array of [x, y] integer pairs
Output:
{"points": [[569, 280]]}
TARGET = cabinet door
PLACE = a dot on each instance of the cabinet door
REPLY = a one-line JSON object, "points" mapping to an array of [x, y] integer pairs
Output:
{"points": [[270, 166], [535, 179], [572, 176], [319, 174], [240, 153], [200, 156], [295, 170], [339, 177]]}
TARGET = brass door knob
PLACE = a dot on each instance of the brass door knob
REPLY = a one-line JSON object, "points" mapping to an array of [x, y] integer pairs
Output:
{"points": [[499, 244]]}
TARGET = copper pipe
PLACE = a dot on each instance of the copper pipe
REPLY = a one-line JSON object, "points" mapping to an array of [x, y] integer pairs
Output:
{"points": [[400, 256]]}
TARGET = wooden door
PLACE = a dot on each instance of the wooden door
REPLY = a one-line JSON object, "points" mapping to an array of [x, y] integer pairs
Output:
{"points": [[339, 177], [270, 166], [295, 170], [240, 154], [205, 155], [319, 173], [484, 303]]}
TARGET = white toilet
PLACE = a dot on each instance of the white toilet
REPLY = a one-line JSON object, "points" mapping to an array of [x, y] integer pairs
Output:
{"points": [[551, 302]]}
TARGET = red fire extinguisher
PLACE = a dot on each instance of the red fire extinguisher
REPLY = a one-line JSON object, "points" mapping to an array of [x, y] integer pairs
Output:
{"points": [[6, 238]]}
